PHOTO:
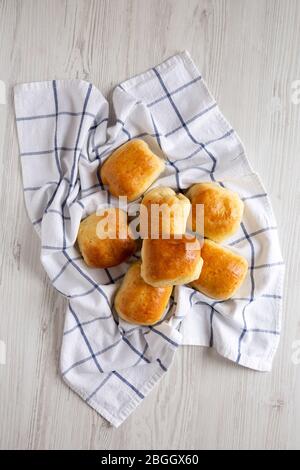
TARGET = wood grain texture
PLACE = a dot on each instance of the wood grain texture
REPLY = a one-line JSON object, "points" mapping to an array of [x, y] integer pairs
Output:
{"points": [[248, 52]]}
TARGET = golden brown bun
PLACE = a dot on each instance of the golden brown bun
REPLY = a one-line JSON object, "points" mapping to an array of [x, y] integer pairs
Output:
{"points": [[168, 215], [223, 271], [138, 302], [172, 261], [105, 240], [223, 210], [131, 169]]}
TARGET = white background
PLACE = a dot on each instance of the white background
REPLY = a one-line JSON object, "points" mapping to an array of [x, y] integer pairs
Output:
{"points": [[248, 53]]}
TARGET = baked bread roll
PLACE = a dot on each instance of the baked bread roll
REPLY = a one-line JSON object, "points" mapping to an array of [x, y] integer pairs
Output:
{"points": [[223, 210], [138, 302], [131, 169], [163, 211], [223, 271], [105, 240], [171, 261]]}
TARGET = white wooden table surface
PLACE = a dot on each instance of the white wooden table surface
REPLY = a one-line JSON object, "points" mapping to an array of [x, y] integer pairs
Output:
{"points": [[248, 52]]}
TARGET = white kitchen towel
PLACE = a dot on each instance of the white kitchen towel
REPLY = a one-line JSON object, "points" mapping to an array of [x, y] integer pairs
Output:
{"points": [[64, 136]]}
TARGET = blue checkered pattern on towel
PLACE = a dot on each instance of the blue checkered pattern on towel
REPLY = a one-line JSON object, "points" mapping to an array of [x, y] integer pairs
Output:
{"points": [[64, 137]]}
